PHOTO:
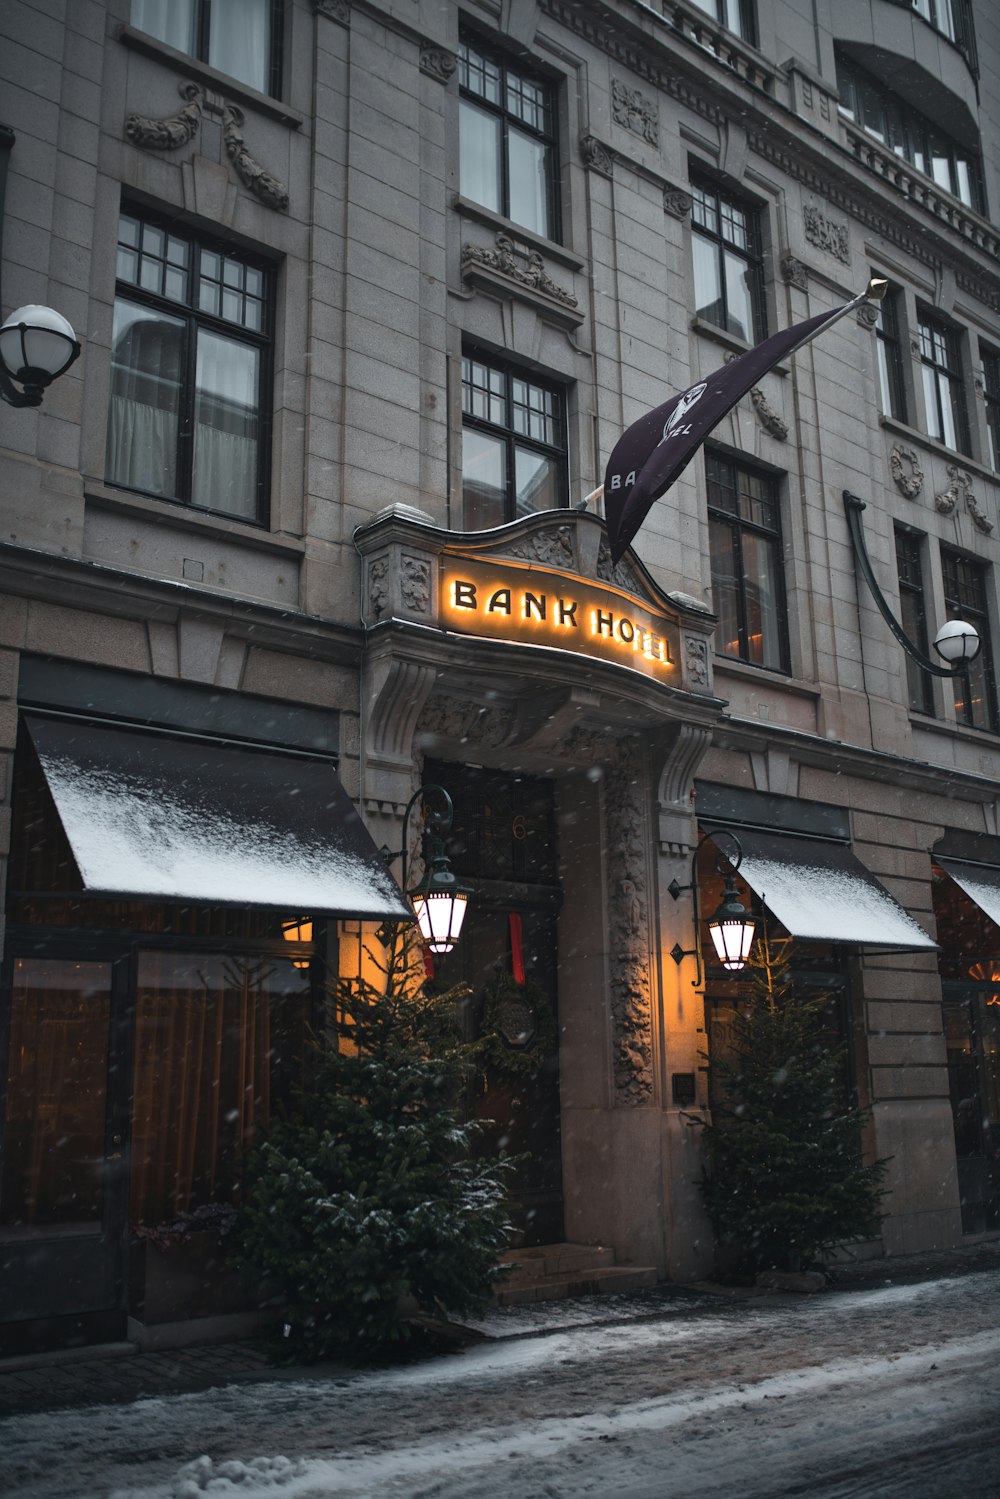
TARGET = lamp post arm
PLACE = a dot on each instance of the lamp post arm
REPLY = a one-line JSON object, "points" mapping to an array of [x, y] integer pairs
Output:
{"points": [[853, 506], [440, 820], [735, 859]]}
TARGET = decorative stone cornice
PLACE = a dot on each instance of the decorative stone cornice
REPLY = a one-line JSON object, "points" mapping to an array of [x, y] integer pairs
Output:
{"points": [[961, 483], [521, 270], [676, 202]]}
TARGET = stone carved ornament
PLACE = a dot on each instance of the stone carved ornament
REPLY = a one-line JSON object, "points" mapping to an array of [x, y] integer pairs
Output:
{"points": [[676, 202], [415, 583], [795, 272], [697, 661], [437, 62], [631, 1015], [764, 412], [253, 176], [637, 113], [553, 548], [827, 234], [867, 314], [908, 483], [465, 722], [618, 573], [528, 269], [176, 130], [596, 156], [961, 482], [334, 10], [379, 595]]}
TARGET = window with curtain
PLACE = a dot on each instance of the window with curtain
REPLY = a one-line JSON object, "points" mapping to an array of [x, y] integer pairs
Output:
{"points": [[953, 19], [737, 15], [909, 134], [728, 269], [189, 357], [219, 1042], [888, 349], [747, 580], [991, 398], [239, 37], [944, 388], [913, 616], [513, 444], [965, 598], [507, 139]]}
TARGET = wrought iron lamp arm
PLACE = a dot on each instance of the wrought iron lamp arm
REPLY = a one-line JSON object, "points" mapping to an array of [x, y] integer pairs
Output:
{"points": [[735, 860], [438, 823], [854, 507]]}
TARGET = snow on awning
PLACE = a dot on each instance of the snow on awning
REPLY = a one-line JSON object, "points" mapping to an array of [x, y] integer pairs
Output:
{"points": [[980, 882], [154, 816], [820, 892]]}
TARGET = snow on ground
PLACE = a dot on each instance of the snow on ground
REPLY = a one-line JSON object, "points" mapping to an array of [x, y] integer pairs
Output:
{"points": [[716, 1399]]}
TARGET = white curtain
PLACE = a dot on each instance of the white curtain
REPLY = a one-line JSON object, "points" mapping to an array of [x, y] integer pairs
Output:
{"points": [[170, 21], [145, 393], [239, 41], [225, 428]]}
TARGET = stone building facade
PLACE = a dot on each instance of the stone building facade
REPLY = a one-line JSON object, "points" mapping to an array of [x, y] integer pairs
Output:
{"points": [[367, 291]]}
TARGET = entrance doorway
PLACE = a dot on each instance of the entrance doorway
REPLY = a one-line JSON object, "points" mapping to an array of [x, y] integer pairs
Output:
{"points": [[504, 847], [972, 1038]]}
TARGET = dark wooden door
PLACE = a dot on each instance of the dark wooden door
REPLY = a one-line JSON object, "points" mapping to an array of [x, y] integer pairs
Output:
{"points": [[63, 1142]]}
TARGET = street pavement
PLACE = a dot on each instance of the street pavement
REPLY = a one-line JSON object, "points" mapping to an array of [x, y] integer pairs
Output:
{"points": [[883, 1386]]}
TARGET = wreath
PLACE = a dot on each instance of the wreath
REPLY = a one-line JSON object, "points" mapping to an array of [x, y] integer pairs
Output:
{"points": [[517, 1025]]}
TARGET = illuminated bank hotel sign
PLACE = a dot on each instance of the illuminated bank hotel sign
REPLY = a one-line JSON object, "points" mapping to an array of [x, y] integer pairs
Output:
{"points": [[528, 605]]}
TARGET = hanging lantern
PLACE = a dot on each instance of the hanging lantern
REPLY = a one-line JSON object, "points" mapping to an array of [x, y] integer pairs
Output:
{"points": [[439, 904], [733, 929]]}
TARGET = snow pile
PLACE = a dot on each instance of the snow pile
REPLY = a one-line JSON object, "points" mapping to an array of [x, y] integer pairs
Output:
{"points": [[203, 1476]]}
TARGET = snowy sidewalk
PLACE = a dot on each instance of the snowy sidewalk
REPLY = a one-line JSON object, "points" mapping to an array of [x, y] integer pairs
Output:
{"points": [[119, 1374]]}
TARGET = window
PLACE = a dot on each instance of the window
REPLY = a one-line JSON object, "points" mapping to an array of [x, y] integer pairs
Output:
{"points": [[737, 15], [188, 368], [513, 444], [507, 140], [953, 19], [965, 598], [913, 616], [908, 133], [991, 396], [747, 583], [239, 37], [944, 391], [889, 354], [728, 279]]}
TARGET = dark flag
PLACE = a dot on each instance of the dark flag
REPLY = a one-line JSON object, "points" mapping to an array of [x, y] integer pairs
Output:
{"points": [[652, 453]]}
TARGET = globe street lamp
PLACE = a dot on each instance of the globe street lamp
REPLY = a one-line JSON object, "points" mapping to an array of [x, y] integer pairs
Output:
{"points": [[37, 345]]}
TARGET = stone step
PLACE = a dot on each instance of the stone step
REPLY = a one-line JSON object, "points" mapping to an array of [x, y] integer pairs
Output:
{"points": [[601, 1281], [555, 1259]]}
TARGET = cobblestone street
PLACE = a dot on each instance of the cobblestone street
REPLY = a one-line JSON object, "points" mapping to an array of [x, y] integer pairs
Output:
{"points": [[883, 1390]]}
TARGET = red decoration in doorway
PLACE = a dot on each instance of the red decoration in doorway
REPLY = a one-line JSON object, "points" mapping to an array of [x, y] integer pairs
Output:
{"points": [[516, 949], [428, 963]]}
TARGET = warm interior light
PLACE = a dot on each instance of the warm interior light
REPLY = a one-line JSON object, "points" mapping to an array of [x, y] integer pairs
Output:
{"points": [[440, 914], [299, 929]]}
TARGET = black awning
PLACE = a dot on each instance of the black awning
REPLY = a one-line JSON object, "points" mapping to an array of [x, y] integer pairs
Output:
{"points": [[980, 882], [820, 892], [155, 816]]}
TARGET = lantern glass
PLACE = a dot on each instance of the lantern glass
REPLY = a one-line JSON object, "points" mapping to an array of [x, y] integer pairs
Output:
{"points": [[733, 938], [957, 641], [37, 344], [440, 914]]}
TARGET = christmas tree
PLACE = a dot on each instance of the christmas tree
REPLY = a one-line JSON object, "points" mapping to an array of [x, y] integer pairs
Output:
{"points": [[785, 1181], [367, 1206]]}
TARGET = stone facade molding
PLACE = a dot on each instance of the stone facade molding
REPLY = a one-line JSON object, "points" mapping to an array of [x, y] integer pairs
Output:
{"points": [[676, 202], [519, 269], [763, 410], [338, 11], [795, 272], [628, 925]]}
